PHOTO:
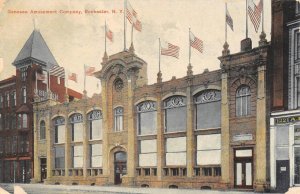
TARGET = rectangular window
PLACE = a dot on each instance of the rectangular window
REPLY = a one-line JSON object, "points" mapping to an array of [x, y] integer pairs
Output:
{"points": [[77, 132], [209, 149], [24, 95], [22, 121], [7, 122], [95, 155], [118, 121], [176, 151], [60, 157], [175, 119], [1, 101], [60, 134], [297, 45], [14, 145], [23, 73], [13, 99], [2, 143], [77, 153], [7, 100], [95, 129], [24, 144], [148, 153], [206, 171]]}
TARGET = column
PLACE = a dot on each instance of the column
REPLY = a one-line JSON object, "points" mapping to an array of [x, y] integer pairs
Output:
{"points": [[85, 142], [225, 133], [190, 134], [272, 155], [68, 159], [131, 163], [37, 169], [260, 179], [105, 148], [160, 135], [50, 148]]}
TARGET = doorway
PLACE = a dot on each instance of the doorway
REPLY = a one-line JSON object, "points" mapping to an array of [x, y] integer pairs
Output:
{"points": [[43, 162], [243, 169], [120, 166]]}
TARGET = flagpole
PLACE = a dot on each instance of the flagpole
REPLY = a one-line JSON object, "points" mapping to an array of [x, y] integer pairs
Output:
{"points": [[84, 78], [125, 7], [132, 33], [246, 18], [159, 55], [262, 23], [225, 22], [105, 36], [189, 45]]}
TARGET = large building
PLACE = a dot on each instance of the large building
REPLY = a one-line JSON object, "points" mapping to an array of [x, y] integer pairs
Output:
{"points": [[16, 114], [201, 131], [285, 90]]}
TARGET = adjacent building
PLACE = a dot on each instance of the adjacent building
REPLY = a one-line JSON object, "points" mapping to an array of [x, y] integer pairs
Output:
{"points": [[16, 114], [201, 131]]}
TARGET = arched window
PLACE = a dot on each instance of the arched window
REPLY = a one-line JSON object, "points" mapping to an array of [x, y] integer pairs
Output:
{"points": [[95, 124], [146, 115], [42, 130], [59, 129], [119, 111], [243, 104], [76, 121], [208, 109], [175, 114]]}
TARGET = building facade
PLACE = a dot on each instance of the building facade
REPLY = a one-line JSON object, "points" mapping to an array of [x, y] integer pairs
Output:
{"points": [[284, 121], [199, 131], [16, 114]]}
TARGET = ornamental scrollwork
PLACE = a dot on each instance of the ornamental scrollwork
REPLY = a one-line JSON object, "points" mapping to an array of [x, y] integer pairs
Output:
{"points": [[146, 106], [175, 101], [76, 118], [59, 120], [95, 115], [208, 96]]}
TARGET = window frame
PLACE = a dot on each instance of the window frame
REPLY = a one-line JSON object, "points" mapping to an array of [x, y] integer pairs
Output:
{"points": [[118, 119], [74, 119], [42, 130], [239, 109], [92, 116], [145, 107]]}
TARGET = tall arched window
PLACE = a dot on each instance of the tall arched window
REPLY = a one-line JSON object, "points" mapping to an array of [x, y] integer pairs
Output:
{"points": [[175, 114], [243, 104], [118, 124], [208, 109], [76, 121], [59, 129], [146, 118], [24, 95], [42, 130], [95, 124]]}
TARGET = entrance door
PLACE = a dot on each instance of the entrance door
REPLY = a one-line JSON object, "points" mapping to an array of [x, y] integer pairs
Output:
{"points": [[120, 166], [243, 169], [282, 175], [43, 169]]}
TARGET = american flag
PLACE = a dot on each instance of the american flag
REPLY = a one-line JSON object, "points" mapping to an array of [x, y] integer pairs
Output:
{"points": [[89, 70], [130, 12], [72, 76], [57, 71], [196, 42], [255, 13], [40, 76], [137, 25], [172, 51], [109, 34], [229, 20]]}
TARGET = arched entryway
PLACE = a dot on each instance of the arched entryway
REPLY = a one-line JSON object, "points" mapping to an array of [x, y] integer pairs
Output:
{"points": [[120, 166]]}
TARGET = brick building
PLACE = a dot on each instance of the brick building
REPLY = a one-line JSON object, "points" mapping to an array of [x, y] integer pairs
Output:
{"points": [[16, 114], [285, 90], [199, 131]]}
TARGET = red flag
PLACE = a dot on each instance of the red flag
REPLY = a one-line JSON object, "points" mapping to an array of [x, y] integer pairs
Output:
{"points": [[255, 13], [109, 34], [73, 77], [40, 76], [196, 42], [137, 25], [89, 70], [172, 51], [130, 13]]}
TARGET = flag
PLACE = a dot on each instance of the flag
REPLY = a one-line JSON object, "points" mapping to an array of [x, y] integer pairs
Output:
{"points": [[109, 34], [255, 13], [229, 20], [72, 76], [57, 71], [172, 51], [137, 25], [40, 76], [130, 13], [89, 70], [196, 42]]}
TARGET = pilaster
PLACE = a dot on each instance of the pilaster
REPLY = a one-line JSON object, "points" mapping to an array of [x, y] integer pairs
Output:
{"points": [[190, 132], [105, 147], [225, 133], [160, 135], [37, 169], [261, 162], [85, 145], [68, 160]]}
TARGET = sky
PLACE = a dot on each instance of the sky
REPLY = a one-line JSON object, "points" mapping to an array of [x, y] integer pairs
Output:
{"points": [[78, 39]]}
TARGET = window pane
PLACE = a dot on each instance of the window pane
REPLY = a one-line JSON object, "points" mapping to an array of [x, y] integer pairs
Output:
{"points": [[208, 115], [175, 119], [96, 129], [147, 123]]}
